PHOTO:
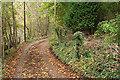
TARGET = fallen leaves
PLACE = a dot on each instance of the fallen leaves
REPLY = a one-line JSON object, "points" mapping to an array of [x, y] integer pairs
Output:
{"points": [[34, 65]]}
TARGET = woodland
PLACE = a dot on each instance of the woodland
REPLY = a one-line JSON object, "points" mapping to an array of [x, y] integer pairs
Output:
{"points": [[60, 40]]}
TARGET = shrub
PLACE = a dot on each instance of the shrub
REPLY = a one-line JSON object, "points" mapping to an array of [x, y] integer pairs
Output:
{"points": [[80, 16], [111, 28]]}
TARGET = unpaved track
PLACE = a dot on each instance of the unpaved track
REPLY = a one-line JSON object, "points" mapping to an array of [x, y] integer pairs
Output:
{"points": [[22, 59], [37, 62]]}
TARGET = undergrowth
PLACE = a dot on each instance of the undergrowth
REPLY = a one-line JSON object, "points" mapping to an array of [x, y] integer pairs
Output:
{"points": [[98, 61]]}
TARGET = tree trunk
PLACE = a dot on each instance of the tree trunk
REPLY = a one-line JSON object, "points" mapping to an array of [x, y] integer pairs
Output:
{"points": [[2, 30], [10, 31], [14, 28], [55, 13], [3, 33], [47, 18], [92, 30], [24, 24], [1, 37], [28, 36]]}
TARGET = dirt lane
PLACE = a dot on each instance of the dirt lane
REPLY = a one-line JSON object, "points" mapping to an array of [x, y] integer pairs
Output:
{"points": [[38, 62]]}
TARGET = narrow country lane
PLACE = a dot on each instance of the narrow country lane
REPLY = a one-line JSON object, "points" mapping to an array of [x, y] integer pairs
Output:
{"points": [[38, 62], [50, 40]]}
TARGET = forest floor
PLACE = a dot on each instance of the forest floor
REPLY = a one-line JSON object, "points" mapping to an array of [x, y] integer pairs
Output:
{"points": [[37, 61]]}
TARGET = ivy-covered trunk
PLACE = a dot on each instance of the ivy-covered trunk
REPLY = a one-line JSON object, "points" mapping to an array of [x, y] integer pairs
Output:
{"points": [[78, 43], [59, 33]]}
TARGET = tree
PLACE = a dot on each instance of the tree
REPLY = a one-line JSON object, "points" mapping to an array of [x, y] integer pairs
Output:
{"points": [[0, 32], [24, 24], [47, 21], [14, 27], [55, 13], [3, 30]]}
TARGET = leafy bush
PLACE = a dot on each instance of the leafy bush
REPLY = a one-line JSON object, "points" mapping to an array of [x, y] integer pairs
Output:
{"points": [[109, 27], [81, 15]]}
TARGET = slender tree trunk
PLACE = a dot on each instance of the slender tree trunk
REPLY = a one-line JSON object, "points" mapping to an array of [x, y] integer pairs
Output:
{"points": [[8, 33], [39, 24], [1, 51], [3, 34], [14, 28], [118, 23], [92, 31], [40, 21], [1, 37], [24, 24], [55, 13], [10, 30], [28, 36], [47, 18]]}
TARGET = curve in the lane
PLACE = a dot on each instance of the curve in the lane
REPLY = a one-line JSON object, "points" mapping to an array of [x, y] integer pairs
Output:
{"points": [[21, 60]]}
